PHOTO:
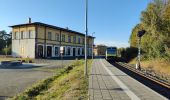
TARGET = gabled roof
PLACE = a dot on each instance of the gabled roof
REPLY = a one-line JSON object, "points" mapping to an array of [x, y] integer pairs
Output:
{"points": [[50, 26]]}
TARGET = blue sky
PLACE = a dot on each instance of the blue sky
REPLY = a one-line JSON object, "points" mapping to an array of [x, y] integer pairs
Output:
{"points": [[111, 20]]}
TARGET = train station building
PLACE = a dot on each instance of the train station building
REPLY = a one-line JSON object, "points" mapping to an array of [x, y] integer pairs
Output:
{"points": [[40, 40], [100, 50]]}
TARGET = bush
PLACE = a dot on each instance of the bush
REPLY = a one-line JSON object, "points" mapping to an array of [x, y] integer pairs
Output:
{"points": [[129, 53], [6, 51]]}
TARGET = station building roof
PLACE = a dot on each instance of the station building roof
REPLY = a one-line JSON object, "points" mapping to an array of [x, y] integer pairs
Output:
{"points": [[50, 26]]}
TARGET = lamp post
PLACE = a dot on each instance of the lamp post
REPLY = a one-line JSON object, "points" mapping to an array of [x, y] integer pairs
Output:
{"points": [[86, 28], [139, 34], [92, 45]]}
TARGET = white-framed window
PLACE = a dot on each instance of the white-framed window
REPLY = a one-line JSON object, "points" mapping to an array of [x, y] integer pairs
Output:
{"points": [[82, 51], [64, 50], [22, 34], [40, 50], [79, 40], [78, 51], [83, 40], [63, 38], [30, 34], [69, 38], [90, 51], [56, 51], [68, 50], [49, 35], [74, 39], [15, 35], [57, 37]]}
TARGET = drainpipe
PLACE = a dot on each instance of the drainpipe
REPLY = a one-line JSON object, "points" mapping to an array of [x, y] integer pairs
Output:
{"points": [[45, 51]]}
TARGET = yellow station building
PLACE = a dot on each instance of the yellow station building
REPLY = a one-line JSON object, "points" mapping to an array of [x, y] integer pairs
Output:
{"points": [[40, 40]]}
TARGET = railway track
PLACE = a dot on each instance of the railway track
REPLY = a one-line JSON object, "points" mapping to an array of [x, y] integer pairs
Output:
{"points": [[156, 84]]}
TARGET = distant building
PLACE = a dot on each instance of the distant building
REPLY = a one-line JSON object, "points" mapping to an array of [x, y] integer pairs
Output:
{"points": [[99, 50], [40, 40]]}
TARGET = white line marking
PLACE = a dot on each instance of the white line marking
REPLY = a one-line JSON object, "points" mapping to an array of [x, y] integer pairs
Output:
{"points": [[121, 84]]}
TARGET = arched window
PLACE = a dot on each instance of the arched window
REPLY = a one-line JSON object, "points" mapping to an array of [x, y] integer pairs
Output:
{"points": [[68, 50], [78, 51]]}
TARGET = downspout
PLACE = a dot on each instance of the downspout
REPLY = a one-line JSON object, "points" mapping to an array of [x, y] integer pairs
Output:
{"points": [[45, 54], [60, 44], [36, 35]]}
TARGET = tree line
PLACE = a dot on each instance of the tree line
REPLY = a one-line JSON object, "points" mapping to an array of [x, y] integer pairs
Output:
{"points": [[155, 44], [5, 43]]}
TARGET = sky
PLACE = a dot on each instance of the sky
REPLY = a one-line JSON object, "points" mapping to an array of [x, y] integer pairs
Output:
{"points": [[111, 20]]}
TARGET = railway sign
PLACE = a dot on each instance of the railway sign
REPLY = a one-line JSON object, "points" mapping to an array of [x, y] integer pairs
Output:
{"points": [[141, 33], [61, 49]]}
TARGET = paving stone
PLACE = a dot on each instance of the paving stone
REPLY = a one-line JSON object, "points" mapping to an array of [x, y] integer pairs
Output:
{"points": [[103, 87]]}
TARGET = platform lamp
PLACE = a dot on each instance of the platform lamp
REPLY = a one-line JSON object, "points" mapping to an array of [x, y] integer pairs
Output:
{"points": [[139, 35], [86, 29]]}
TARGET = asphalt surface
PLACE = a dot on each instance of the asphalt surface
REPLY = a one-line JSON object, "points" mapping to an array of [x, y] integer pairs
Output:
{"points": [[14, 80]]}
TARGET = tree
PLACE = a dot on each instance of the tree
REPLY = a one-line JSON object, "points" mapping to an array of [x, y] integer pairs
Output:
{"points": [[5, 39], [156, 21]]}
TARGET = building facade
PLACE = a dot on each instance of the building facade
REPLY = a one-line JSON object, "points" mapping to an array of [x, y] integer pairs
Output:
{"points": [[40, 40], [99, 50]]}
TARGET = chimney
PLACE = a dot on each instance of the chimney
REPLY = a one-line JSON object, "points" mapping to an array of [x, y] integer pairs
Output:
{"points": [[29, 20]]}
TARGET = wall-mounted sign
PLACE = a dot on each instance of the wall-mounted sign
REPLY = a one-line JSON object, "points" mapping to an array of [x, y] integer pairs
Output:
{"points": [[61, 49]]}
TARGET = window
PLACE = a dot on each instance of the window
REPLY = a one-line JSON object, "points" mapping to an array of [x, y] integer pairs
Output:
{"points": [[56, 51], [79, 39], [69, 39], [83, 40], [15, 35], [49, 36], [57, 37], [78, 51], [29, 34], [74, 39], [22, 34], [63, 50], [63, 38], [89, 51], [82, 51], [68, 51]]}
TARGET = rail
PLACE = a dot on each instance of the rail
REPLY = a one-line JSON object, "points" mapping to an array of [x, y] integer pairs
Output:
{"points": [[143, 74]]}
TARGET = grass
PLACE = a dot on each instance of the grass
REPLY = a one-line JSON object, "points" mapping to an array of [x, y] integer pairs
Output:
{"points": [[45, 69], [69, 83], [159, 66]]}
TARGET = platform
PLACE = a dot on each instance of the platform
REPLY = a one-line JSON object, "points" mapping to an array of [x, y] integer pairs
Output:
{"points": [[106, 82]]}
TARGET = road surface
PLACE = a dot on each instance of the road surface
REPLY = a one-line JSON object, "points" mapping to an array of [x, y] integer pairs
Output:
{"points": [[14, 80]]}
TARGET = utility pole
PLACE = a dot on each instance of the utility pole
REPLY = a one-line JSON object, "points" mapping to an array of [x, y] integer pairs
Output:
{"points": [[86, 28]]}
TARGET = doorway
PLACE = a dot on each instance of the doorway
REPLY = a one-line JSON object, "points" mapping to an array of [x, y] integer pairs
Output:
{"points": [[49, 51], [74, 52], [40, 51]]}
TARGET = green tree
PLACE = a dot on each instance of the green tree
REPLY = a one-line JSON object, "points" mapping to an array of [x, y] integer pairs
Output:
{"points": [[5, 40], [156, 21]]}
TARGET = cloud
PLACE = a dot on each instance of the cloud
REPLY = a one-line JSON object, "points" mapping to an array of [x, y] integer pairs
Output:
{"points": [[112, 43]]}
